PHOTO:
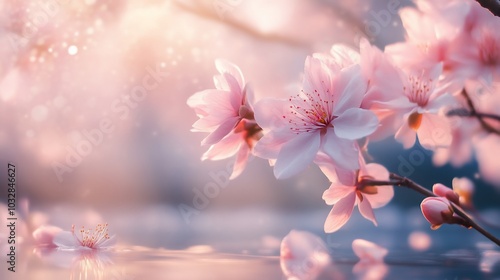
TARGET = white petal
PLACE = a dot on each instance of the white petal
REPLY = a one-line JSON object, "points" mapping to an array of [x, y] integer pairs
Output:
{"points": [[355, 123], [340, 213], [336, 192], [342, 151], [434, 132], [66, 240], [406, 136], [366, 210], [297, 154]]}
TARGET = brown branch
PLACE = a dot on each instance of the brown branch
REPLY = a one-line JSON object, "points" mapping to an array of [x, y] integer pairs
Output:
{"points": [[399, 181], [480, 118]]}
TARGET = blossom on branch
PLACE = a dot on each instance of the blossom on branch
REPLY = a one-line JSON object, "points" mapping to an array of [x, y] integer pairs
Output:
{"points": [[325, 116], [226, 113], [345, 196]]}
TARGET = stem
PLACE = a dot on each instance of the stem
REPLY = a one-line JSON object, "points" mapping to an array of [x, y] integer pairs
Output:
{"points": [[399, 181], [479, 116]]}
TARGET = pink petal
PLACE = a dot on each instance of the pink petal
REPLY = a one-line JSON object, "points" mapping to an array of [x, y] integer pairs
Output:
{"points": [[317, 77], [444, 191], [269, 112], [441, 101], [434, 131], [342, 151], [221, 131], [303, 255], [351, 88], [270, 145], [406, 136], [332, 172], [436, 210], [344, 55], [66, 240], [355, 123], [224, 66], [377, 171], [297, 154], [236, 96], [241, 161], [366, 210], [225, 148], [340, 213], [44, 235], [336, 192], [383, 196], [368, 251]]}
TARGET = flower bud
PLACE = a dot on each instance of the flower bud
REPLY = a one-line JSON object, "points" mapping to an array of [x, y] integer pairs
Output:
{"points": [[444, 191], [437, 210]]}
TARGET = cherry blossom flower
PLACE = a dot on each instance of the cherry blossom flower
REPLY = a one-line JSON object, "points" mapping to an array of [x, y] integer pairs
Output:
{"points": [[325, 116], [222, 108], [44, 235], [97, 238], [303, 255], [424, 116], [475, 51], [227, 114], [460, 34], [371, 260], [344, 197]]}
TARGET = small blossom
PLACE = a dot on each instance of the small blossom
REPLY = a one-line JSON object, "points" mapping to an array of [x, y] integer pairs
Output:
{"points": [[423, 116], [346, 195], [226, 113], [303, 255], [97, 238], [437, 211], [44, 235]]}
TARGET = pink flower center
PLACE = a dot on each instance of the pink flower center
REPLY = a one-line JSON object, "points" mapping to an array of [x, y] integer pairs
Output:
{"points": [[92, 238], [418, 90], [310, 112]]}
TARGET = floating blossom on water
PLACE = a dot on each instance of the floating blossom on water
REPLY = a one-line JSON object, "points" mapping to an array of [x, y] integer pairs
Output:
{"points": [[371, 260], [344, 196], [325, 116], [303, 255], [226, 113], [44, 235], [97, 238]]}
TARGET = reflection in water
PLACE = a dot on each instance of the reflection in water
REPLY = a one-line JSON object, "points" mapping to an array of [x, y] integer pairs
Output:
{"points": [[83, 264]]}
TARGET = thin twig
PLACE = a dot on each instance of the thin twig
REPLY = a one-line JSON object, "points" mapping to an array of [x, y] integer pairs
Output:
{"points": [[474, 112], [399, 181]]}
